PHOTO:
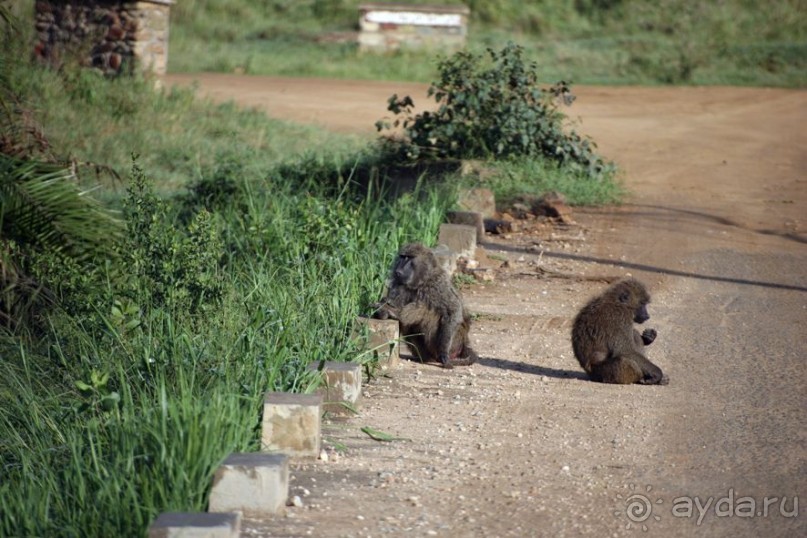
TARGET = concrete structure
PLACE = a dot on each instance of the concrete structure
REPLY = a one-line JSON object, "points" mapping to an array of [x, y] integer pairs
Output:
{"points": [[291, 424], [255, 484], [385, 27], [469, 218], [383, 336], [341, 383], [113, 36], [459, 238], [198, 525]]}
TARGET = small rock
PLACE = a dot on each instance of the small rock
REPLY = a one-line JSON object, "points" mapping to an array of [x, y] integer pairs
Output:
{"points": [[553, 205]]}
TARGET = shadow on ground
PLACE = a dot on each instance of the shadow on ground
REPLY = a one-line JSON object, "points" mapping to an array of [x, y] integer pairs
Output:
{"points": [[504, 364]]}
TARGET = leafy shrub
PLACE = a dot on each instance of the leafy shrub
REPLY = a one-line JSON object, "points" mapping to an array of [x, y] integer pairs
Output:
{"points": [[493, 110], [172, 268]]}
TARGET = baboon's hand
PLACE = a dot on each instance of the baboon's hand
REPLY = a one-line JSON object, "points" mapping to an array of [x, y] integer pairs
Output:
{"points": [[445, 361], [648, 335], [381, 311]]}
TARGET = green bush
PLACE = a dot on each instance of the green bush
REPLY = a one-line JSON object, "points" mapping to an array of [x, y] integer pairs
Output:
{"points": [[172, 269], [492, 110]]}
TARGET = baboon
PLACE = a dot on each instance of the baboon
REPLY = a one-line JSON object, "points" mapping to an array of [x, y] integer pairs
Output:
{"points": [[429, 309], [604, 341]]}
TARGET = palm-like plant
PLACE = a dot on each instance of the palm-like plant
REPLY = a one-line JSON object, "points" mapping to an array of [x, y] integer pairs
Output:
{"points": [[42, 207]]}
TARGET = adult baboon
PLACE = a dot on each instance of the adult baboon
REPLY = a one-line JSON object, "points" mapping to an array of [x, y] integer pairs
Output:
{"points": [[429, 309], [604, 341]]}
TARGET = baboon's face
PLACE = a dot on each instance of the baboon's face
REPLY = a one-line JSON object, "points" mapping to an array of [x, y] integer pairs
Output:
{"points": [[638, 299], [405, 272], [641, 314]]}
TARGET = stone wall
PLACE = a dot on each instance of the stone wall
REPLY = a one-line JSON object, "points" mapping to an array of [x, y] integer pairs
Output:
{"points": [[387, 27], [113, 36]]}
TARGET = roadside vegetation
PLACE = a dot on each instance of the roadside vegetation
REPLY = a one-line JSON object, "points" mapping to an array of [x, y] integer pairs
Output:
{"points": [[164, 261], [732, 42]]}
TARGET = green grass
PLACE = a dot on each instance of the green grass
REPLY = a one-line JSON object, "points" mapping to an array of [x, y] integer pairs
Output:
{"points": [[178, 136], [735, 42], [513, 178]]}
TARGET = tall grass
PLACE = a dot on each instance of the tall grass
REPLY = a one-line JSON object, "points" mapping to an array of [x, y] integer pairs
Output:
{"points": [[127, 404]]}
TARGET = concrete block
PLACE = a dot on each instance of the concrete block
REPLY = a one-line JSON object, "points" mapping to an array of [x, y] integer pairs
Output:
{"points": [[255, 484], [196, 525], [481, 200], [291, 424], [469, 218], [341, 382], [383, 336], [459, 238]]}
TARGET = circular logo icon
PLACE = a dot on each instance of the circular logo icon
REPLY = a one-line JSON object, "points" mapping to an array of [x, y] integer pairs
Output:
{"points": [[638, 507]]}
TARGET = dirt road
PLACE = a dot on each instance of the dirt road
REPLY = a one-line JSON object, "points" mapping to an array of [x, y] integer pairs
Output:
{"points": [[522, 444]]}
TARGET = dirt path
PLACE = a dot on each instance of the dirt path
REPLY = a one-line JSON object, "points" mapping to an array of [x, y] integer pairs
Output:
{"points": [[522, 444]]}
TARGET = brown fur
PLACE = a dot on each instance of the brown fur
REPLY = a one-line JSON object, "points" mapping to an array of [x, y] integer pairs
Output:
{"points": [[604, 341], [430, 311]]}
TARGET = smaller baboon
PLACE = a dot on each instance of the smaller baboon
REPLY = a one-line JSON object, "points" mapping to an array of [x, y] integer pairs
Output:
{"points": [[429, 309], [604, 341]]}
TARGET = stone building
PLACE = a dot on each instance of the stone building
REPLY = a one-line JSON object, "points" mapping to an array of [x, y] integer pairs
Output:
{"points": [[114, 36]]}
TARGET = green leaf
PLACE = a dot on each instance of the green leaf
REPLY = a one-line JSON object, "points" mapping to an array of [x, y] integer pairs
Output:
{"points": [[41, 205], [110, 401], [83, 387], [377, 435]]}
